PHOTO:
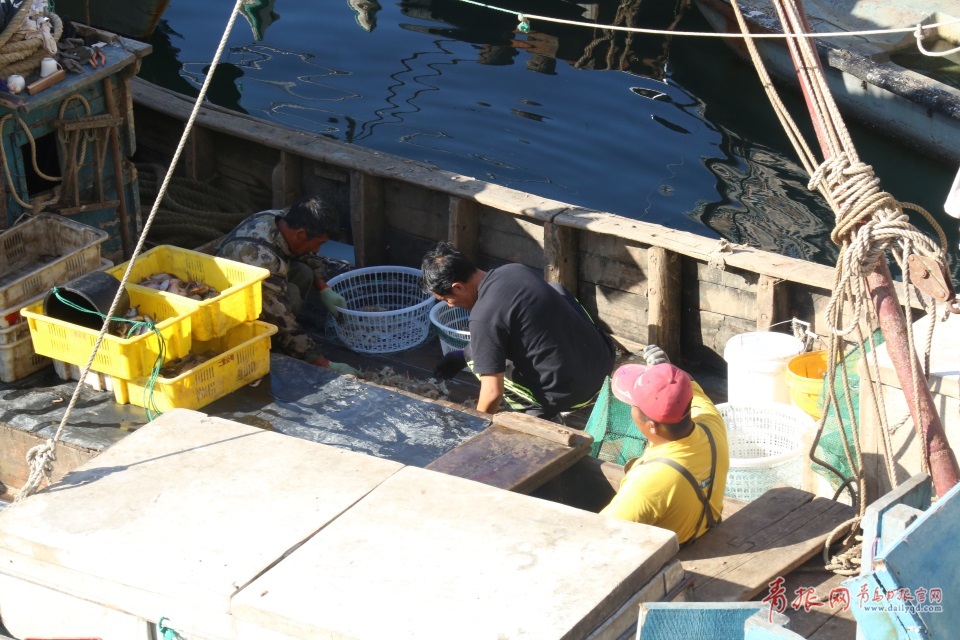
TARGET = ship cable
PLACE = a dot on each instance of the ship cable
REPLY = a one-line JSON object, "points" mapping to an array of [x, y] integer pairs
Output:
{"points": [[40, 457]]}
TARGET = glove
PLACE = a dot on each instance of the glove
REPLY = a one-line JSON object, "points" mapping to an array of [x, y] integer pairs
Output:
{"points": [[654, 355], [343, 369], [331, 300], [450, 364]]}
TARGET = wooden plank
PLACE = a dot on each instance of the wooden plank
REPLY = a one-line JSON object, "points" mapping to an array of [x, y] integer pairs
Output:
{"points": [[368, 219], [771, 302], [287, 180], [620, 313], [44, 83], [509, 459], [664, 286], [768, 538], [613, 274], [463, 226], [561, 253], [699, 247], [537, 569], [537, 427], [417, 211], [511, 247]]}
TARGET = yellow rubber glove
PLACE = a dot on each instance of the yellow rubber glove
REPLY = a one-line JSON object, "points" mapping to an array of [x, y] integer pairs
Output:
{"points": [[343, 369], [331, 300]]}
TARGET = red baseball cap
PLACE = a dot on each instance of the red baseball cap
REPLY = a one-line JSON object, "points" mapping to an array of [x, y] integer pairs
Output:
{"points": [[663, 392]]}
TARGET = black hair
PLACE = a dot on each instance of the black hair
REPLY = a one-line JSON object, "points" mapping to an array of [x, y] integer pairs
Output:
{"points": [[676, 430], [442, 266], [314, 215]]}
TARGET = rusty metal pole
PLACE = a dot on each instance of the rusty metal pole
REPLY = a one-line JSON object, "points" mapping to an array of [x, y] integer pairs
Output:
{"points": [[940, 457], [893, 325]]}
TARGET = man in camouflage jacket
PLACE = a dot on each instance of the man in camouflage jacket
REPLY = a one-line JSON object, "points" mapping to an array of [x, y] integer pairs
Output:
{"points": [[285, 242]]}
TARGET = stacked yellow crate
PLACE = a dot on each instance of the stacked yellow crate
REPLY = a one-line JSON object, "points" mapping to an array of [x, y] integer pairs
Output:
{"points": [[226, 325]]}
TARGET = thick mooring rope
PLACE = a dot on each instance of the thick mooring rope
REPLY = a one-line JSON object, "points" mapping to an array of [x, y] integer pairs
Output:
{"points": [[40, 457], [21, 53], [869, 222]]}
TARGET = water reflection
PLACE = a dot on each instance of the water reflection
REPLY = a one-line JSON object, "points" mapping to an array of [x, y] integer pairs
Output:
{"points": [[438, 82]]}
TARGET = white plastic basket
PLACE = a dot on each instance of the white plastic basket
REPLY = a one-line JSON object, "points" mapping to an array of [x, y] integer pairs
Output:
{"points": [[453, 324], [766, 447], [387, 309]]}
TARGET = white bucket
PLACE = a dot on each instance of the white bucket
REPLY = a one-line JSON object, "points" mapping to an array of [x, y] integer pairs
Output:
{"points": [[756, 366]]}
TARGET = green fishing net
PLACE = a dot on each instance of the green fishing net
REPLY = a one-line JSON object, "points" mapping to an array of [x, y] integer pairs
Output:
{"points": [[842, 419], [615, 437]]}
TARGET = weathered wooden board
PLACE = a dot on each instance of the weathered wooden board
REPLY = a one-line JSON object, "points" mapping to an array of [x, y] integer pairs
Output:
{"points": [[623, 314], [439, 557], [510, 459], [768, 538], [420, 212], [211, 500], [13, 458]]}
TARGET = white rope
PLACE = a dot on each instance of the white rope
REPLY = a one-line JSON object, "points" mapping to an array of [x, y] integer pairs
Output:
{"points": [[40, 457], [918, 34], [526, 17]]}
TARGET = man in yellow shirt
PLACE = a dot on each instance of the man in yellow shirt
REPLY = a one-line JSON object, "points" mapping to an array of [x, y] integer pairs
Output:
{"points": [[679, 480]]}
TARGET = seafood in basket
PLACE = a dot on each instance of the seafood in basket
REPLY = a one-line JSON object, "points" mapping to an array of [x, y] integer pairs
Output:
{"points": [[170, 283]]}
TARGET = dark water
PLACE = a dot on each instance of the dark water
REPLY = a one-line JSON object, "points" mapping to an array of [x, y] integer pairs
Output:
{"points": [[677, 133]]}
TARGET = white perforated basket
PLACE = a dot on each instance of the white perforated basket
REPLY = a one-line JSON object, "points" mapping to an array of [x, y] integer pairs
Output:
{"points": [[387, 309], [452, 323], [766, 447]]}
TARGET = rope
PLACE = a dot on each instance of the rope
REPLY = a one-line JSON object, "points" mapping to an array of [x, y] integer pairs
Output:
{"points": [[39, 458], [918, 35], [21, 53], [526, 17], [192, 211], [868, 223]]}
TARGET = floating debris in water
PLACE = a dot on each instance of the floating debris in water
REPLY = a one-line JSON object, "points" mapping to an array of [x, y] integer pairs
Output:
{"points": [[429, 388], [173, 284], [178, 366]]}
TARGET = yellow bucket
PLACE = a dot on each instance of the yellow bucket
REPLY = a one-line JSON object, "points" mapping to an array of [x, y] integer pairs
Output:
{"points": [[805, 374]]}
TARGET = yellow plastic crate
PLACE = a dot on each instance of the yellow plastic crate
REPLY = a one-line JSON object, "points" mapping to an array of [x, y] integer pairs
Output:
{"points": [[239, 286], [118, 357], [244, 357]]}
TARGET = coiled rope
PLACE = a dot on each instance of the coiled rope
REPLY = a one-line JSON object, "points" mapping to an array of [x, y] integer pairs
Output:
{"points": [[192, 212], [20, 52], [868, 223], [40, 457]]}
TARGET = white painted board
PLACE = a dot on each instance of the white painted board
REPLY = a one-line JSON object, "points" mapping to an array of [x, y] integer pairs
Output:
{"points": [[427, 555], [178, 516]]}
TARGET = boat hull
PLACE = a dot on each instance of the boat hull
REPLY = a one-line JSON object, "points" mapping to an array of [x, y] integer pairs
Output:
{"points": [[916, 110], [136, 19]]}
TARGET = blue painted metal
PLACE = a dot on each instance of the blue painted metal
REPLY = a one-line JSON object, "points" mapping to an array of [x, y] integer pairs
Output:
{"points": [[910, 589], [703, 620], [41, 111]]}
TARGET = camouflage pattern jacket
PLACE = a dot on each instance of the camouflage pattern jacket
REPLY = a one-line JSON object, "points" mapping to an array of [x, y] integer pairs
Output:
{"points": [[257, 241]]}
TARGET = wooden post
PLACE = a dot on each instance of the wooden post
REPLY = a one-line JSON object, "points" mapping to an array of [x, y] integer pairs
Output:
{"points": [[771, 303], [368, 218], [125, 241], [463, 229], [663, 296], [198, 155], [287, 180], [561, 248]]}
